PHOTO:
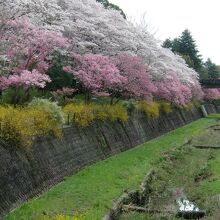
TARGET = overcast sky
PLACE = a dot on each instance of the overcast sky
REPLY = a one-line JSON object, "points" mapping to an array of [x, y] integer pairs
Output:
{"points": [[170, 17]]}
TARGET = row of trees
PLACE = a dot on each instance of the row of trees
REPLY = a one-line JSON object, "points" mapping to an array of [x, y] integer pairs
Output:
{"points": [[27, 51], [94, 29], [186, 46], [88, 50]]}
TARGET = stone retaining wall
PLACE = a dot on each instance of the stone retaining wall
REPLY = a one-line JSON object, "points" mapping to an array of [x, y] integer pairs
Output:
{"points": [[27, 174]]}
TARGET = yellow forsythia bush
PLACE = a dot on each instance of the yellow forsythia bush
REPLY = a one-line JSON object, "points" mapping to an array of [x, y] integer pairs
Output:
{"points": [[83, 115], [80, 114], [151, 109], [117, 112], [110, 113], [21, 124], [165, 107], [189, 106]]}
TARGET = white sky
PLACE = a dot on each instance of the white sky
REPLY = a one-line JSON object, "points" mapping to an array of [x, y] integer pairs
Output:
{"points": [[170, 17]]}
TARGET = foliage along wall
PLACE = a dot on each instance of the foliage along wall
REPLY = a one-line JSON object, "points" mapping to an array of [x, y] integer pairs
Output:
{"points": [[25, 174]]}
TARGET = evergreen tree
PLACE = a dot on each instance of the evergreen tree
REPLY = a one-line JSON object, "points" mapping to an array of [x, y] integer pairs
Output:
{"points": [[212, 69], [186, 47], [58, 76], [168, 43]]}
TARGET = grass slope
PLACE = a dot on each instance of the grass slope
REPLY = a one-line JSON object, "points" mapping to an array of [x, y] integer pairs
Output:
{"points": [[175, 172], [189, 170], [92, 190]]}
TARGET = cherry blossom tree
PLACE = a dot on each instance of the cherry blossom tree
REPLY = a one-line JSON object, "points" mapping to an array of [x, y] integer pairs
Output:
{"points": [[172, 90], [101, 31], [97, 30], [65, 91], [28, 79], [211, 94], [196, 90], [4, 83], [24, 81], [27, 50], [28, 46], [138, 83], [64, 94], [96, 74]]}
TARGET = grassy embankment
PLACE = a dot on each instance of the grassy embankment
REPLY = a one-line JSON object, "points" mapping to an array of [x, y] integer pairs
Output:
{"points": [[190, 171], [92, 190]]}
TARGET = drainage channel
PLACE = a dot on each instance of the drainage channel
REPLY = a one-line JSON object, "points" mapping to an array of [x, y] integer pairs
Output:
{"points": [[161, 192]]}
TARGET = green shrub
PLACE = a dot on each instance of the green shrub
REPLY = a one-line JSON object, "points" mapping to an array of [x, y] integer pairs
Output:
{"points": [[130, 105], [50, 107], [19, 96]]}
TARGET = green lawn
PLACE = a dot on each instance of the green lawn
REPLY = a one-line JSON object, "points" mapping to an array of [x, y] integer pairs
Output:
{"points": [[212, 186], [92, 190]]}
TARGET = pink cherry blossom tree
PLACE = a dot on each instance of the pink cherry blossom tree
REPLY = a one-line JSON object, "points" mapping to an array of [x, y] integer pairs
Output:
{"points": [[27, 50], [61, 95], [100, 31], [28, 79], [97, 30], [138, 83], [29, 47], [65, 91], [196, 90], [172, 90], [211, 94], [96, 74]]}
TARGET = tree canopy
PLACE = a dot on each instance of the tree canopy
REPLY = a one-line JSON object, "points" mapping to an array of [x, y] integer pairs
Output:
{"points": [[96, 35]]}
